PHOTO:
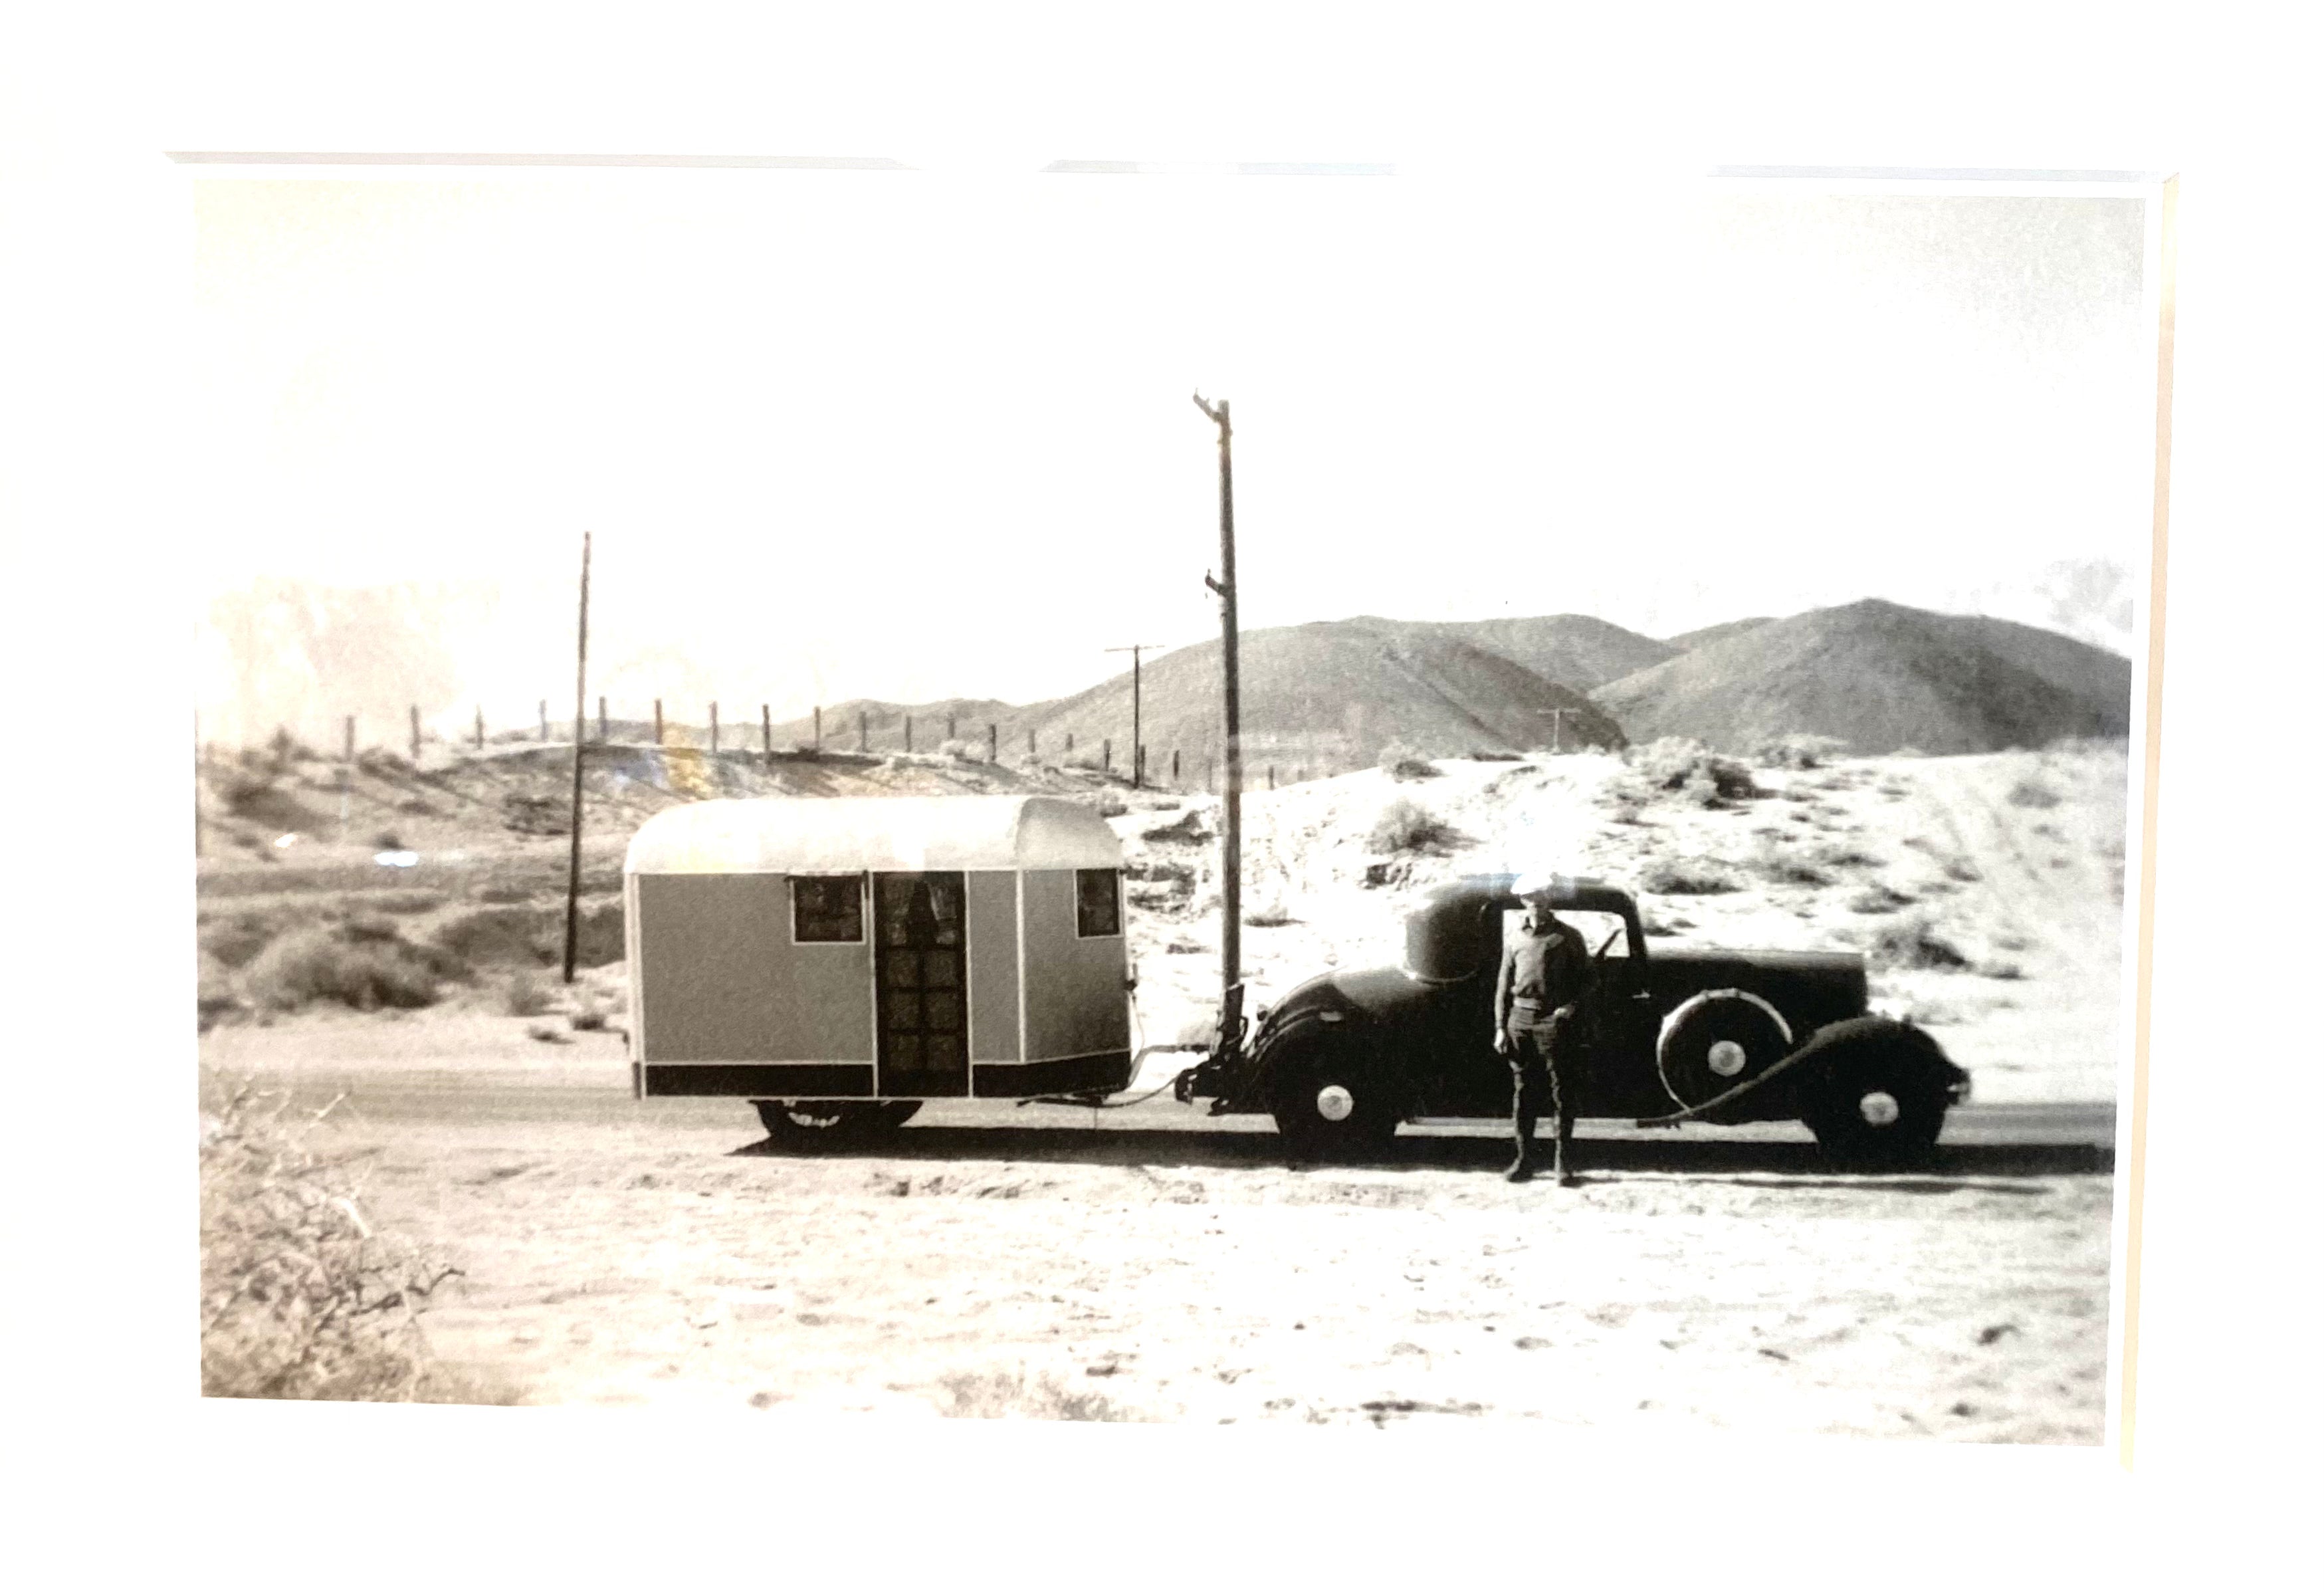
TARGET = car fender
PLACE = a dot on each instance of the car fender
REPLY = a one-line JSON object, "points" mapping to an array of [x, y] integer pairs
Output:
{"points": [[1836, 1044]]}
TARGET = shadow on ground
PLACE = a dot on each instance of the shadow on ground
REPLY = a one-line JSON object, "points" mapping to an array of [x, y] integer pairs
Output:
{"points": [[1950, 1170]]}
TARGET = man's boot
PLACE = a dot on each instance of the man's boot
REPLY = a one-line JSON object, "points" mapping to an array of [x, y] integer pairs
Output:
{"points": [[1563, 1165], [1522, 1169]]}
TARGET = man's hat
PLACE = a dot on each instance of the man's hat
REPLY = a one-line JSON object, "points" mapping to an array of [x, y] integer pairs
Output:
{"points": [[1541, 886]]}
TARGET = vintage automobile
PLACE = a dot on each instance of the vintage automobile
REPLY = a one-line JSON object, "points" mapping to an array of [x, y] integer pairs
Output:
{"points": [[1715, 1035]]}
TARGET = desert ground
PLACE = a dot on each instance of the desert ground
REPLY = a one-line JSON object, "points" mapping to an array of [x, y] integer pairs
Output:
{"points": [[1154, 1264]]}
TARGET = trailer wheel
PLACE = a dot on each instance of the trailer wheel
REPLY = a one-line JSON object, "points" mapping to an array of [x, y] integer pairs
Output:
{"points": [[1876, 1106], [832, 1122], [1329, 1105]]}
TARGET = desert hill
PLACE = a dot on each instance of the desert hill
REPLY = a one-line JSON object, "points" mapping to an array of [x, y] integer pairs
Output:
{"points": [[1880, 677], [1569, 648], [1709, 633], [1328, 698]]}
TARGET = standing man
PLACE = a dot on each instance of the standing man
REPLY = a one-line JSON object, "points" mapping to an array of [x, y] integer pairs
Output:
{"points": [[1540, 1008]]}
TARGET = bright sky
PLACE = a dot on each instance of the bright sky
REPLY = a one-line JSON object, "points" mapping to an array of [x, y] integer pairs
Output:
{"points": [[911, 434]]}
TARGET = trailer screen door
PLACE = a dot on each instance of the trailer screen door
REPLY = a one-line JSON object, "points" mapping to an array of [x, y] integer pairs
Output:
{"points": [[921, 920]]}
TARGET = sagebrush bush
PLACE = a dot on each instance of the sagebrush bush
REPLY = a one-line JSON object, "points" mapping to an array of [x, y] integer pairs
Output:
{"points": [[1405, 765], [1012, 1394], [494, 935], [2032, 792], [1800, 751], [526, 995], [1778, 864], [361, 965], [1407, 825], [1687, 877], [1913, 944], [301, 1297], [1685, 769]]}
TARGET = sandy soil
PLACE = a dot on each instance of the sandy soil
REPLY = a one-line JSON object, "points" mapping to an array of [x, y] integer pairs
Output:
{"points": [[1153, 1265]]}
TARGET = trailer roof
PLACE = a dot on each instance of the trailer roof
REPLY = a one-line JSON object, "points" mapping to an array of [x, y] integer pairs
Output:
{"points": [[894, 834]]}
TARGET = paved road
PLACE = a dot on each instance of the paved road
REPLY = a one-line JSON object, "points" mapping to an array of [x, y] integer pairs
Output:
{"points": [[2022, 1140]]}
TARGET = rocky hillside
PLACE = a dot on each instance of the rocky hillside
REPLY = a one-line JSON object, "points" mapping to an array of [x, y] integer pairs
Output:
{"points": [[1882, 677]]}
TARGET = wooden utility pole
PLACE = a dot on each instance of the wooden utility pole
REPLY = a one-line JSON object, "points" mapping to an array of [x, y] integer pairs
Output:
{"points": [[605, 730], [480, 728], [908, 734], [580, 729], [415, 737], [1230, 832], [1137, 705], [767, 734], [657, 720], [993, 742], [862, 732], [714, 728], [818, 728], [346, 776], [1557, 729], [544, 720]]}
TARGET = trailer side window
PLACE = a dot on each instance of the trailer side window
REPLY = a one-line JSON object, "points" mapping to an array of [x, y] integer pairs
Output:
{"points": [[1097, 893], [827, 910]]}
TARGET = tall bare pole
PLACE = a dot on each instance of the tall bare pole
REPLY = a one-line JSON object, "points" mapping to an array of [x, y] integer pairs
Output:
{"points": [[1137, 710], [580, 725], [1231, 834]]}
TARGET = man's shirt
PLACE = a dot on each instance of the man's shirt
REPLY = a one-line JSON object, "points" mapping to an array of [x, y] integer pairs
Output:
{"points": [[1549, 969]]}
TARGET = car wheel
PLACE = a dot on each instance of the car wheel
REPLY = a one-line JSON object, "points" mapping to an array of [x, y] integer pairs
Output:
{"points": [[1717, 1040], [1331, 1106], [831, 1122], [1876, 1110]]}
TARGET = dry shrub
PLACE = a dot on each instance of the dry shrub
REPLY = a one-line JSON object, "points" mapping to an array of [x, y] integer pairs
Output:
{"points": [[2033, 792], [1273, 915], [1877, 900], [1190, 829], [1109, 804], [1800, 751], [1405, 765], [1961, 870], [1684, 770], [365, 965], [300, 1297], [494, 935], [1776, 864], [1687, 877], [1407, 826], [1843, 855], [1012, 1394], [236, 941], [958, 751], [1912, 943], [526, 995], [214, 998]]}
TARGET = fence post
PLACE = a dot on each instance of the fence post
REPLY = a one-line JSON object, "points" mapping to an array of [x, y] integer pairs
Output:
{"points": [[1105, 755], [604, 731], [952, 726], [993, 742], [1270, 775], [346, 776], [714, 728], [480, 728], [1031, 748], [766, 734], [862, 732], [818, 728], [544, 720], [908, 734], [1174, 769], [657, 720], [1069, 744], [415, 736]]}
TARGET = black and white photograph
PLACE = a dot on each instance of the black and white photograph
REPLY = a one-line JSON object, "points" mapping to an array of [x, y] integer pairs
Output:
{"points": [[1167, 794], [1208, 793]]}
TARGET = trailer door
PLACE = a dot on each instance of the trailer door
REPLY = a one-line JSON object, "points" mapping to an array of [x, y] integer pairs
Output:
{"points": [[921, 920]]}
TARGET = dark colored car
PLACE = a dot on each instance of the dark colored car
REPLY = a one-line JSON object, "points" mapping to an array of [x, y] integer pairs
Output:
{"points": [[1716, 1035]]}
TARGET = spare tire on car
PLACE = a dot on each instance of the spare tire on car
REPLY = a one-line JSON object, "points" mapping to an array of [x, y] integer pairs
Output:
{"points": [[1716, 1041]]}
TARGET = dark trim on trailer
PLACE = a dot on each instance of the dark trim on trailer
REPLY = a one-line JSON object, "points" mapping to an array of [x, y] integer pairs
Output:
{"points": [[814, 1080], [1106, 1072]]}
